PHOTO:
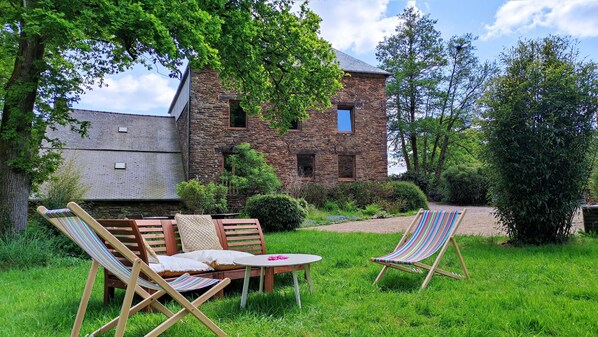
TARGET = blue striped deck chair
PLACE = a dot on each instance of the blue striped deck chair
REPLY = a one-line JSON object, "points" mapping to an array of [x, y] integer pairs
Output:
{"points": [[434, 231], [85, 231]]}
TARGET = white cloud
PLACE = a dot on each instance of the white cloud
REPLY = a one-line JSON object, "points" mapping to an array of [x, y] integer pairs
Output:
{"points": [[131, 93], [578, 18], [356, 25]]}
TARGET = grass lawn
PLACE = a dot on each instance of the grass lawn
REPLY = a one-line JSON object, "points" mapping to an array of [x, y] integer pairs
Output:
{"points": [[531, 291]]}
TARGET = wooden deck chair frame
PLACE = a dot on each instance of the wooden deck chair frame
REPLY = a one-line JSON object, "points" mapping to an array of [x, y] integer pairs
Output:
{"points": [[138, 267], [433, 269]]}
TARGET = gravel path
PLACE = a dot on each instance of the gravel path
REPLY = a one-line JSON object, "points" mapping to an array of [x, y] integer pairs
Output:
{"points": [[477, 221]]}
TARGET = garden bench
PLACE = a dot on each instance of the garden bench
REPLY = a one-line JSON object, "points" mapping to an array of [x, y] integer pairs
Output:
{"points": [[163, 236]]}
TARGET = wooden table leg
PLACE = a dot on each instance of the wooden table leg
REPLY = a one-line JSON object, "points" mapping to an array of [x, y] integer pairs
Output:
{"points": [[296, 284], [261, 279], [269, 280], [308, 278], [245, 286]]}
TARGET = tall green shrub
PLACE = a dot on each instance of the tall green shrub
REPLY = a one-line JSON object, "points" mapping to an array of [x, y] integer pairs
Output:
{"points": [[276, 212], [465, 185], [412, 195], [205, 199], [249, 173], [594, 185], [63, 186], [538, 128]]}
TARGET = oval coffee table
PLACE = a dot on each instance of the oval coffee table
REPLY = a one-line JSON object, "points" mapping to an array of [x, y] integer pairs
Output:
{"points": [[263, 262]]}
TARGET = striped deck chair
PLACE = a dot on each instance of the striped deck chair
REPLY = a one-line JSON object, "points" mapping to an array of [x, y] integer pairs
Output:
{"points": [[91, 236], [433, 232]]}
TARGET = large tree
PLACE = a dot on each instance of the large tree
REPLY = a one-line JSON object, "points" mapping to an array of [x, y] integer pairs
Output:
{"points": [[432, 93], [539, 122], [54, 50], [414, 56]]}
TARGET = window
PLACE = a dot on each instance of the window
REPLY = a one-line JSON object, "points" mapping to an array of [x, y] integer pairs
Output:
{"points": [[120, 166], [295, 125], [346, 167], [305, 166], [345, 119], [228, 165], [237, 118]]}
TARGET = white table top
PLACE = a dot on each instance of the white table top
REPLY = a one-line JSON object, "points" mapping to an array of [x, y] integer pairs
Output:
{"points": [[262, 260]]}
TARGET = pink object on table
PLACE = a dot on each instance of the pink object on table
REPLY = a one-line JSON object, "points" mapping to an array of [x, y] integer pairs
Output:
{"points": [[277, 257]]}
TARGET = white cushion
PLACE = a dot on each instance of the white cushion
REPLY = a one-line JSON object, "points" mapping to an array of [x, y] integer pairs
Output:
{"points": [[174, 266], [217, 259]]}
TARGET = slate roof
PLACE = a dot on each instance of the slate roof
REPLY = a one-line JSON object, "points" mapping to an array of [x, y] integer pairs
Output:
{"points": [[149, 148], [352, 65]]}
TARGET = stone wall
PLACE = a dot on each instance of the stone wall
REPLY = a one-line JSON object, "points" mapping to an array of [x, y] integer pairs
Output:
{"points": [[124, 209], [210, 136], [181, 125]]}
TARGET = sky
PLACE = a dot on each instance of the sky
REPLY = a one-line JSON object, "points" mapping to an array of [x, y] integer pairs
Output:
{"points": [[357, 26]]}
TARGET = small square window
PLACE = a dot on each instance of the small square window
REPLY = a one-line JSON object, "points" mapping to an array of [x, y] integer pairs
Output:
{"points": [[123, 129], [237, 118], [120, 166], [346, 167], [295, 125], [345, 119], [306, 166]]}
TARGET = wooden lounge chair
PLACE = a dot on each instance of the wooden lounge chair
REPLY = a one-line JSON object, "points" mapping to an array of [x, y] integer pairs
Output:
{"points": [[91, 236], [433, 232]]}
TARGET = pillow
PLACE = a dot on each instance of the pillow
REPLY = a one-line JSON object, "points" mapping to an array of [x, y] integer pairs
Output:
{"points": [[171, 266], [217, 259], [197, 232], [152, 257]]}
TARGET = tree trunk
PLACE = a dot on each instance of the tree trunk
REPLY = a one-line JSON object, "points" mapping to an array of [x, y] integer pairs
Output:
{"points": [[15, 131]]}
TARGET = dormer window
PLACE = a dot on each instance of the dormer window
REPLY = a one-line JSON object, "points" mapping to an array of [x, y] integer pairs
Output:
{"points": [[120, 166]]}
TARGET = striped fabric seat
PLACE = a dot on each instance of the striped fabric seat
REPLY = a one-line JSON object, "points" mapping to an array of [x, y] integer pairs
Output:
{"points": [[139, 278], [87, 239], [432, 232]]}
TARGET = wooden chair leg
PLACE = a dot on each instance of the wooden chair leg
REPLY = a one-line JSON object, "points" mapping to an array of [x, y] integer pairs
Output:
{"points": [[380, 274], [85, 299], [465, 272], [124, 310]]}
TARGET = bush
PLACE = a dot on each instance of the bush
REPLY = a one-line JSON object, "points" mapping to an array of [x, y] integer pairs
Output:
{"points": [[594, 184], [314, 194], [34, 247], [412, 195], [539, 125], [465, 185], [276, 212], [206, 199], [392, 207], [420, 179], [63, 186], [372, 209], [249, 173]]}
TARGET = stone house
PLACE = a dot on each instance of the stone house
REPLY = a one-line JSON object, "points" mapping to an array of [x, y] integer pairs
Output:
{"points": [[345, 143], [132, 163]]}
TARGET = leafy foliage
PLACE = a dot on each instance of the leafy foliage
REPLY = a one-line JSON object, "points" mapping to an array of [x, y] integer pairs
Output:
{"points": [[52, 51], [593, 185], [432, 93], [393, 197], [206, 199], [276, 212], [64, 185], [413, 197], [539, 127], [249, 173], [465, 185]]}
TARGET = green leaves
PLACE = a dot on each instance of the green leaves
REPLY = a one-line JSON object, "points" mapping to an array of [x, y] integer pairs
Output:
{"points": [[538, 127]]}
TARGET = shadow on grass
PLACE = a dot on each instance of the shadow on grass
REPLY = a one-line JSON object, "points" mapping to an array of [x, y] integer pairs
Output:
{"points": [[398, 281]]}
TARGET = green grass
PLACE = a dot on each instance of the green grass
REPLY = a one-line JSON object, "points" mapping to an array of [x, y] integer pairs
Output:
{"points": [[530, 291]]}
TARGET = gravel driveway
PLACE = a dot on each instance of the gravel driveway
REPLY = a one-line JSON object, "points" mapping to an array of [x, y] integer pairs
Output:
{"points": [[478, 220]]}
